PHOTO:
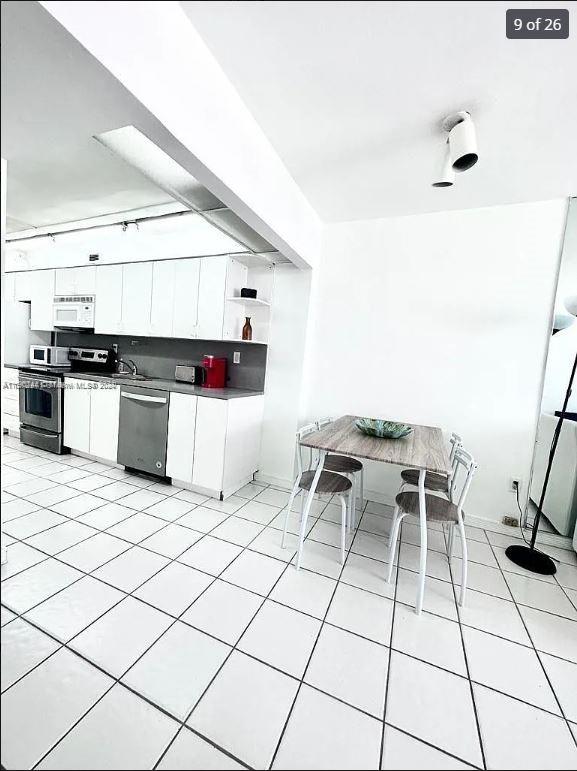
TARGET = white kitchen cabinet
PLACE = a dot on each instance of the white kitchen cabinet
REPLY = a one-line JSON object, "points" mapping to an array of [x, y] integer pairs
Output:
{"points": [[22, 286], [181, 436], [186, 297], [91, 412], [162, 300], [104, 414], [41, 300], [213, 444], [210, 442], [211, 297], [75, 281], [10, 401], [136, 298], [77, 414], [108, 302]]}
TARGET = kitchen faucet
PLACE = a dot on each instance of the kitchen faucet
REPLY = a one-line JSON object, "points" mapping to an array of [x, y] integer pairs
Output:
{"points": [[130, 364]]}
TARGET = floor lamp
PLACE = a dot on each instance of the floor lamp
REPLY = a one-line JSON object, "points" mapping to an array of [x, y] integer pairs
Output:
{"points": [[529, 557]]}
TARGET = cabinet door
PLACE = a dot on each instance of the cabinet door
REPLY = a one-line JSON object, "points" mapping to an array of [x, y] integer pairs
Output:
{"points": [[104, 412], [162, 302], [22, 286], [77, 414], [81, 280], [186, 297], [211, 296], [108, 302], [64, 283], [210, 441], [136, 298], [181, 430], [41, 300]]}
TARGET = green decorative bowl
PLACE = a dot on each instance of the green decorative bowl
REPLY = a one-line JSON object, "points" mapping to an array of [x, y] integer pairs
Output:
{"points": [[384, 429]]}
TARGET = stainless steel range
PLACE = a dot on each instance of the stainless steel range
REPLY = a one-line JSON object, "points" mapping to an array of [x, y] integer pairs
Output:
{"points": [[41, 398], [41, 393]]}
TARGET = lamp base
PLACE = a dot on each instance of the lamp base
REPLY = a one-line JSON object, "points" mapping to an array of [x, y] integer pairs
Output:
{"points": [[532, 560]]}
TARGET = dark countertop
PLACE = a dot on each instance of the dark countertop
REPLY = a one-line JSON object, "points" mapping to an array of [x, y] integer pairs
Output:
{"points": [[159, 384]]}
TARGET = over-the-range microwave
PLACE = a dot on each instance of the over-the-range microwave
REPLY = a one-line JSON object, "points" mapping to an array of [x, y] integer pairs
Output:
{"points": [[74, 311]]}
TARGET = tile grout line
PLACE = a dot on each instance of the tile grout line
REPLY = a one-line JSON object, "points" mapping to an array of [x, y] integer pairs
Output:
{"points": [[311, 654], [534, 647], [466, 659], [118, 680], [389, 663]]}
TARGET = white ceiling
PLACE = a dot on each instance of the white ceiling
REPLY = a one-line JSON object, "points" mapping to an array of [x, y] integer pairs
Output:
{"points": [[55, 97], [351, 95]]}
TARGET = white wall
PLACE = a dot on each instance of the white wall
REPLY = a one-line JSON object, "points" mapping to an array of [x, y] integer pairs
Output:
{"points": [[284, 373], [440, 319]]}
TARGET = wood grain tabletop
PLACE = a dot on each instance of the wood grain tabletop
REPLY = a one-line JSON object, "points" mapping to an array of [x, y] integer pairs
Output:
{"points": [[423, 448]]}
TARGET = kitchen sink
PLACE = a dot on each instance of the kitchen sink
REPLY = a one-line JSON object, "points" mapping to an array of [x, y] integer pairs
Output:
{"points": [[129, 376]]}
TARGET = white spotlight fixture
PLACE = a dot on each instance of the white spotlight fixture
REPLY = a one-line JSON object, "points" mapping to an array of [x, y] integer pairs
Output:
{"points": [[462, 140], [446, 175]]}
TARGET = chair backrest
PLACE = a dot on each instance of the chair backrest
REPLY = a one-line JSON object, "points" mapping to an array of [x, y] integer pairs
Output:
{"points": [[464, 463], [455, 442], [302, 463], [323, 422]]}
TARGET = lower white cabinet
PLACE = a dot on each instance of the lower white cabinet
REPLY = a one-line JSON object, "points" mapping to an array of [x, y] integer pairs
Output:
{"points": [[181, 436], [77, 414], [213, 444], [10, 401], [91, 417], [104, 414]]}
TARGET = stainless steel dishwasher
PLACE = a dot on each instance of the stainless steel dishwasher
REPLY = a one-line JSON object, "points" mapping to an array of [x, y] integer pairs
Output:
{"points": [[143, 429]]}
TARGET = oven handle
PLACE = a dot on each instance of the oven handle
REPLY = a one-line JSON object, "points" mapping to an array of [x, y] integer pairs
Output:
{"points": [[142, 398], [37, 383]]}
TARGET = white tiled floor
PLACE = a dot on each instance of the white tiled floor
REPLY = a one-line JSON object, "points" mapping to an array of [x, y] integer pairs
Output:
{"points": [[144, 627]]}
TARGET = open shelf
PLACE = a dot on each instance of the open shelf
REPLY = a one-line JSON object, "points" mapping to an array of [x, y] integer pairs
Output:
{"points": [[254, 301]]}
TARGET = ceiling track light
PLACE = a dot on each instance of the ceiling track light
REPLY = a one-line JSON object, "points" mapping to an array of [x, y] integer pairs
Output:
{"points": [[462, 140], [446, 175]]}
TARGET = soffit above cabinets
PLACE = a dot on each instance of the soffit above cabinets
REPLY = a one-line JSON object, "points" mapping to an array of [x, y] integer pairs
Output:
{"points": [[136, 149]]}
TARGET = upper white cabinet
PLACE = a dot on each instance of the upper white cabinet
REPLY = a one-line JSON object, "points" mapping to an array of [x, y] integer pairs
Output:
{"points": [[75, 281], [162, 300], [136, 298], [190, 298], [186, 296], [108, 303], [41, 300]]}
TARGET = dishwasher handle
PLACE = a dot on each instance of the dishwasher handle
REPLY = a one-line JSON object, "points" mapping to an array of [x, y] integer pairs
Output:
{"points": [[143, 398]]}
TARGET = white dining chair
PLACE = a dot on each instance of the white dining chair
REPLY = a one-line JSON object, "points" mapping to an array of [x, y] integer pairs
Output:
{"points": [[438, 483], [351, 467], [446, 510], [329, 483]]}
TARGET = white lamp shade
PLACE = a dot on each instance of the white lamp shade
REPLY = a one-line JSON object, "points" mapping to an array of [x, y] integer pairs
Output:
{"points": [[463, 145], [571, 304], [562, 321]]}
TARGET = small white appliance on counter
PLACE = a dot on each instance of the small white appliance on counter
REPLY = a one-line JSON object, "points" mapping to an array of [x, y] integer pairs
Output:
{"points": [[74, 311], [49, 355]]}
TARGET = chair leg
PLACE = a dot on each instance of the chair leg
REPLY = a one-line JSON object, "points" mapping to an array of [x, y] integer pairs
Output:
{"points": [[352, 504], [294, 493], [308, 505], [463, 564], [451, 541], [343, 527], [393, 541], [423, 554], [362, 479]]}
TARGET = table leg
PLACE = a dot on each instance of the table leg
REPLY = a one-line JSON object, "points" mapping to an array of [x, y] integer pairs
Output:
{"points": [[308, 504], [423, 556]]}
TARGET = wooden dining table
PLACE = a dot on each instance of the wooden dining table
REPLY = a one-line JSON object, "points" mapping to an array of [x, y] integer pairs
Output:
{"points": [[423, 449]]}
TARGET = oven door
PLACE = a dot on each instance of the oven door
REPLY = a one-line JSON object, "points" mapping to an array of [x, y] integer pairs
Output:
{"points": [[40, 401]]}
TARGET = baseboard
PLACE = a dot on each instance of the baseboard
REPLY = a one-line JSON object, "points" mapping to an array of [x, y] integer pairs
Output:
{"points": [[267, 479]]}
